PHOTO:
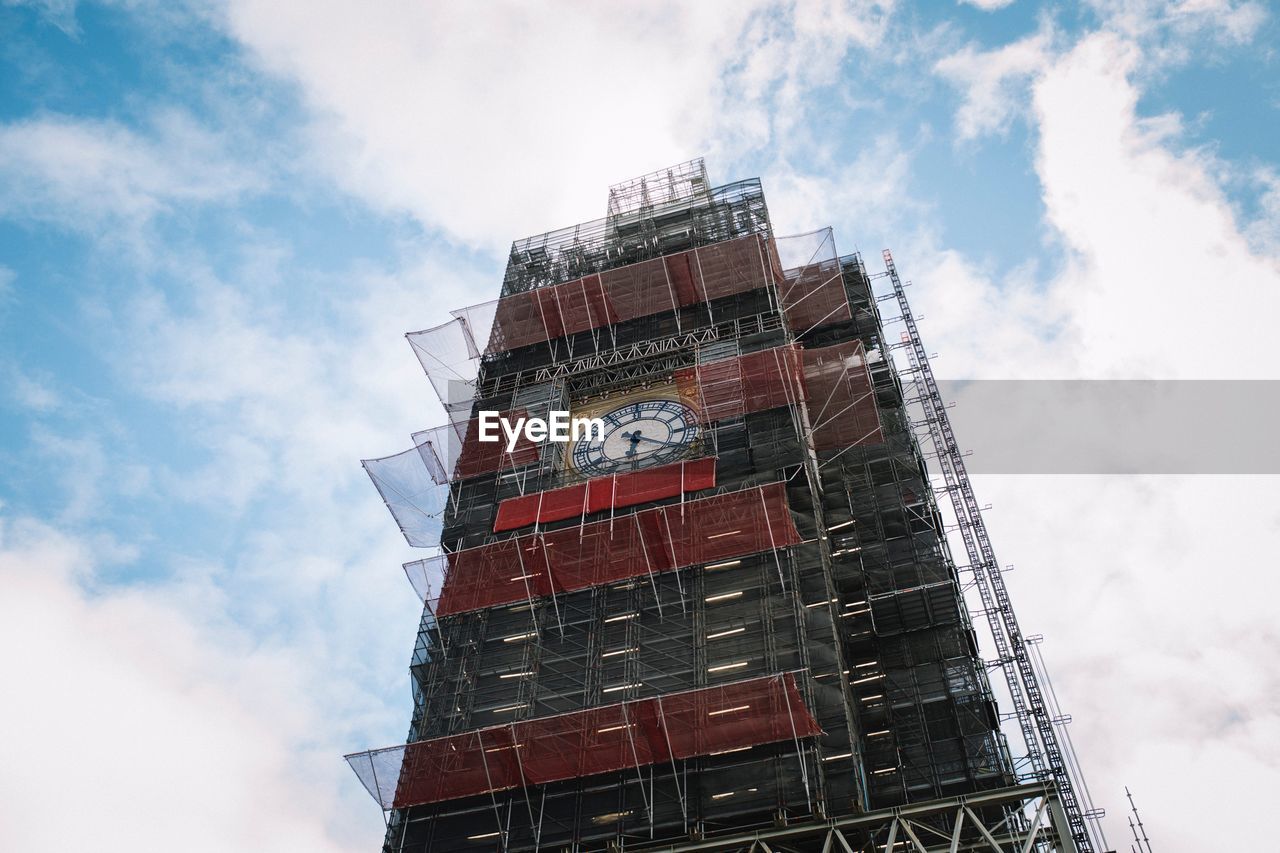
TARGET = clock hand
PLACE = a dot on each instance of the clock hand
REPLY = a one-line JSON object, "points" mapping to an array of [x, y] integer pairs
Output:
{"points": [[639, 437]]}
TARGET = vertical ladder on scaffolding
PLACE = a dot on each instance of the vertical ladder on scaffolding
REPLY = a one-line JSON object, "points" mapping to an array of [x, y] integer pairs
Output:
{"points": [[1024, 688]]}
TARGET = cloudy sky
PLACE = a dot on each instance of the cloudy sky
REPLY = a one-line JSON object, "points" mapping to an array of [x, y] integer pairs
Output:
{"points": [[218, 218]]}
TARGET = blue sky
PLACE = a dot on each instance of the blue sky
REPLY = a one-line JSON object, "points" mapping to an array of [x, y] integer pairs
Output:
{"points": [[218, 219]]}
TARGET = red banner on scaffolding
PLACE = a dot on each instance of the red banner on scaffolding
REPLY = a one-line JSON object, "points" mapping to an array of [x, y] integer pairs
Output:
{"points": [[842, 402], [813, 296], [601, 493], [603, 740], [652, 540], [638, 290], [733, 387]]}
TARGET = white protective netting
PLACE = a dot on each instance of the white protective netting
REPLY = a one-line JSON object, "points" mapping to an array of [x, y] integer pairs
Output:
{"points": [[379, 772], [415, 499], [450, 356], [426, 575]]}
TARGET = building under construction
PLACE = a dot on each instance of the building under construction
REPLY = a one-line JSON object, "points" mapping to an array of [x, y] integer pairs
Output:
{"points": [[733, 620]]}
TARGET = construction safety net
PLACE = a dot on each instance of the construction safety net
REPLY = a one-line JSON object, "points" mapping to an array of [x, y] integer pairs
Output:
{"points": [[606, 739], [649, 541], [424, 575], [610, 492], [842, 403], [450, 356], [414, 497], [810, 284], [454, 451], [638, 290]]}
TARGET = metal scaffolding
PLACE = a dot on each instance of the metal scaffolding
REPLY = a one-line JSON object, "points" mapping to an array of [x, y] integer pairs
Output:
{"points": [[762, 630]]}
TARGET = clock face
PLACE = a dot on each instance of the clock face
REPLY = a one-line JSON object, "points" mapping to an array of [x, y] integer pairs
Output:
{"points": [[637, 435]]}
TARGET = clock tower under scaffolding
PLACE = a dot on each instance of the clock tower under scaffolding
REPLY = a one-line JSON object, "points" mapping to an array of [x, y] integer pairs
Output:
{"points": [[732, 620]]}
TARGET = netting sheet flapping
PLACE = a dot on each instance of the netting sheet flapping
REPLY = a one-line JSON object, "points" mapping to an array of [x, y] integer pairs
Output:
{"points": [[583, 743], [415, 498], [380, 771], [733, 387], [425, 575], [842, 404], [811, 288], [450, 355], [613, 491], [627, 293], [454, 451], [653, 540]]}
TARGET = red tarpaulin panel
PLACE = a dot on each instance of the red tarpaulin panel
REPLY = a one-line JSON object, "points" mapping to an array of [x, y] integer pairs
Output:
{"points": [[724, 268], [733, 387], [679, 270], [638, 290], [774, 259], [813, 296], [604, 740], [652, 540], [611, 492], [842, 404]]}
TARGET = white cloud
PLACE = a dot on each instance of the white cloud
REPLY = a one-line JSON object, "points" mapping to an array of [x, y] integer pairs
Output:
{"points": [[79, 466], [805, 194], [60, 13], [1170, 30], [494, 124], [988, 5], [33, 393], [1146, 225], [149, 718], [1160, 638], [1156, 256], [87, 174], [994, 82], [7, 278], [291, 652], [287, 403], [1136, 581], [1264, 231]]}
